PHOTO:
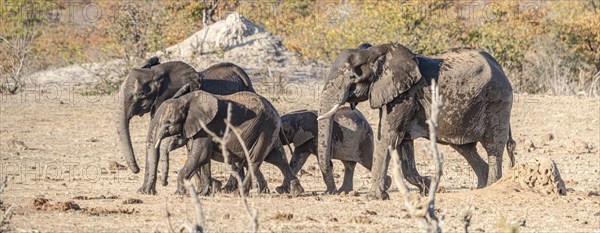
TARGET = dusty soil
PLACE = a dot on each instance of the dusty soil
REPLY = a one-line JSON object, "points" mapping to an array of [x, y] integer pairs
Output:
{"points": [[64, 174]]}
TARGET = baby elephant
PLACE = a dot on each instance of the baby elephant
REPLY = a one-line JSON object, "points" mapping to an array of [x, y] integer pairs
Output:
{"points": [[193, 115], [352, 140]]}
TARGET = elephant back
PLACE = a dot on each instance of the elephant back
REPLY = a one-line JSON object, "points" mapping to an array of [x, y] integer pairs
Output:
{"points": [[225, 79]]}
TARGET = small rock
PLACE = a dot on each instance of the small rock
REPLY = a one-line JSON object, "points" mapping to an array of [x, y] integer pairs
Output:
{"points": [[308, 218], [226, 216], [547, 138], [591, 194], [92, 139], [368, 212], [283, 217], [441, 189], [333, 219], [133, 201], [597, 214], [528, 146], [360, 220], [353, 194], [578, 146], [112, 165], [522, 222], [17, 145]]}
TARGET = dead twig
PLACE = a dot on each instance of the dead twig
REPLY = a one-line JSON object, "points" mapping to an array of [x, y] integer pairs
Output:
{"points": [[168, 217], [424, 215], [197, 227], [8, 212], [252, 213]]}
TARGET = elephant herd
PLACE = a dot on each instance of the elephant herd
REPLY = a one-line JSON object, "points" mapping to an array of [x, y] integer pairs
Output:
{"points": [[195, 110]]}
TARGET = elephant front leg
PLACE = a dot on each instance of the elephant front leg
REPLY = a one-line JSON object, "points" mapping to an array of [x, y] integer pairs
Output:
{"points": [[409, 169], [207, 185], [198, 155], [381, 160]]}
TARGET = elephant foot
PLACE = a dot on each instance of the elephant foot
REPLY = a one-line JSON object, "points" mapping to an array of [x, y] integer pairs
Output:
{"points": [[331, 190], [282, 189], [296, 188], [387, 182], [165, 183], [422, 182], [146, 190], [293, 187], [344, 189], [378, 195]]}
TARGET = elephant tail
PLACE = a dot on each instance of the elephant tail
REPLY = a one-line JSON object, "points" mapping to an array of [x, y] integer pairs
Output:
{"points": [[510, 147], [285, 140]]}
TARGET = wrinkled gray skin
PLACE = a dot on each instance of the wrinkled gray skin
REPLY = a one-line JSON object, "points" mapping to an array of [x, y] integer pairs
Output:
{"points": [[477, 100], [256, 119], [352, 140], [145, 89]]}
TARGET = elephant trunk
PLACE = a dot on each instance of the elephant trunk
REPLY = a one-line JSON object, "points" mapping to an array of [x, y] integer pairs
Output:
{"points": [[332, 97], [123, 116]]}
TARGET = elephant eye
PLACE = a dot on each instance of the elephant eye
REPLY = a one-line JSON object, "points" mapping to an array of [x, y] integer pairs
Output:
{"points": [[168, 122]]}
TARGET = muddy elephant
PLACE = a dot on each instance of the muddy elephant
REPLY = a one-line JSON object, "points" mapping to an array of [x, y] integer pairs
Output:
{"points": [[145, 89], [256, 119], [352, 140], [477, 104]]}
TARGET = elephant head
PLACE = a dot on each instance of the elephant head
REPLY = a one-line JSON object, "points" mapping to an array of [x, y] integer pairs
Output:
{"points": [[143, 91], [180, 117], [299, 127], [378, 74]]}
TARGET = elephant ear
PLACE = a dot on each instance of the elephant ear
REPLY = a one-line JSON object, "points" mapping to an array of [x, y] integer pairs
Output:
{"points": [[303, 134], [396, 71], [201, 107]]}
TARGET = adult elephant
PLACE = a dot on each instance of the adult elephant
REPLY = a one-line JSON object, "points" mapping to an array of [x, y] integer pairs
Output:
{"points": [[477, 105], [145, 89]]}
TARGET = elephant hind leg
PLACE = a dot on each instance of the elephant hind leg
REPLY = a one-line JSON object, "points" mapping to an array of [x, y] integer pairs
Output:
{"points": [[347, 186], [495, 139], [409, 168], [479, 166], [247, 182], [290, 182]]}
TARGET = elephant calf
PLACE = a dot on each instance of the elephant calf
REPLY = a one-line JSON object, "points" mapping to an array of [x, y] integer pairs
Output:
{"points": [[352, 140], [193, 115]]}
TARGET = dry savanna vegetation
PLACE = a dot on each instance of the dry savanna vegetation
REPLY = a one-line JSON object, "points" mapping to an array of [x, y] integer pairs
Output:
{"points": [[62, 62]]}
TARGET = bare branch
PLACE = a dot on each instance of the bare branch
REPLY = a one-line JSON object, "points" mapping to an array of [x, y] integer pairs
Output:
{"points": [[197, 227], [425, 214], [168, 217], [252, 213]]}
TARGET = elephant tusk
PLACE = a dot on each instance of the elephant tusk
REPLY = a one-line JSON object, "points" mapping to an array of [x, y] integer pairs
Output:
{"points": [[157, 144], [330, 113]]}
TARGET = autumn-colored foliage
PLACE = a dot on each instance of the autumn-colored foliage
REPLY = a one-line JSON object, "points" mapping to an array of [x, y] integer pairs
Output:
{"points": [[544, 46]]}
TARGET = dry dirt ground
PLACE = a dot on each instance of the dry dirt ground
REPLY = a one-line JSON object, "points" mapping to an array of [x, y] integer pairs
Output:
{"points": [[61, 149]]}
